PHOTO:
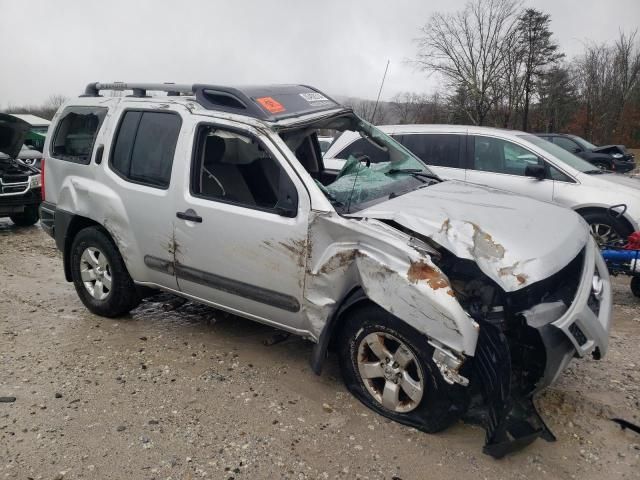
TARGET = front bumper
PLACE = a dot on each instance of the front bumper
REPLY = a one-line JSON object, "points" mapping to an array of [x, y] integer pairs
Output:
{"points": [[511, 420], [13, 204], [623, 165], [583, 327]]}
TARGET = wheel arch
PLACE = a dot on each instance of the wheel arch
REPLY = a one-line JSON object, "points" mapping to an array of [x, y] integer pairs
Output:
{"points": [[582, 211], [354, 298], [67, 227]]}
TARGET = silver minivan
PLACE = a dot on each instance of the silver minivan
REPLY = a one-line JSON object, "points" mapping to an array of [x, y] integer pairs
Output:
{"points": [[515, 161], [444, 300]]}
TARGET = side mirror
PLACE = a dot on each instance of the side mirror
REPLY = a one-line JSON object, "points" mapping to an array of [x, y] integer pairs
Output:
{"points": [[536, 171], [577, 150]]}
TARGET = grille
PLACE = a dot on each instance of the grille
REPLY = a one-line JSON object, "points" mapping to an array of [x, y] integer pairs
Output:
{"points": [[8, 178], [578, 334]]}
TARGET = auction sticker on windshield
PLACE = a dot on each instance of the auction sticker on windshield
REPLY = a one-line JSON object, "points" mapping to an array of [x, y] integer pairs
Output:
{"points": [[270, 105], [315, 99]]}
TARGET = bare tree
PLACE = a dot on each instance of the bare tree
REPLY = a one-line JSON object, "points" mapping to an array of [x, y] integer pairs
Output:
{"points": [[468, 49]]}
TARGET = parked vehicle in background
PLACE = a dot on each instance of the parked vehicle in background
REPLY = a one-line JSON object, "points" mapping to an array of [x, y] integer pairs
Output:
{"points": [[324, 142], [38, 132], [442, 298], [19, 182], [515, 161], [608, 157]]}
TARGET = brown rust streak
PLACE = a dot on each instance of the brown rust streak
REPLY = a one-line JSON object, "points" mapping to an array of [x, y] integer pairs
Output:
{"points": [[339, 260], [423, 271]]}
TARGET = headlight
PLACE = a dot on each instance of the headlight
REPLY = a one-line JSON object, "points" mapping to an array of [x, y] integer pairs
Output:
{"points": [[617, 155], [35, 181]]}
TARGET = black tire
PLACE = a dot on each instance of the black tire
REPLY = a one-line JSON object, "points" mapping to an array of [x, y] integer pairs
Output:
{"points": [[123, 295], [441, 404], [635, 286], [619, 228], [27, 218]]}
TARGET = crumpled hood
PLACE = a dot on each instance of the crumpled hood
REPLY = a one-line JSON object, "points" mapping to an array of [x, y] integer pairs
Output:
{"points": [[515, 240], [12, 134], [610, 149]]}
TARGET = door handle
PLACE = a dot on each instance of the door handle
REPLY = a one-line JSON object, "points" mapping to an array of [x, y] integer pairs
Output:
{"points": [[190, 216]]}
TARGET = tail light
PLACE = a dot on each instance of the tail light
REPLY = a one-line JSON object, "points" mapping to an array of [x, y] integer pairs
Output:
{"points": [[42, 178]]}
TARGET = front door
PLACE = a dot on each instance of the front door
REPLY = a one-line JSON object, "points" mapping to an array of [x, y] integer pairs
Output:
{"points": [[502, 164], [242, 226]]}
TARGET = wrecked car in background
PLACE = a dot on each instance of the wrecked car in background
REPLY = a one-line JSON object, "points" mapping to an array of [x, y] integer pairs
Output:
{"points": [[444, 300], [19, 181]]}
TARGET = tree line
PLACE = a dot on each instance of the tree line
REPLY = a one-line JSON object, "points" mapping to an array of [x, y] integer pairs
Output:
{"points": [[499, 65]]}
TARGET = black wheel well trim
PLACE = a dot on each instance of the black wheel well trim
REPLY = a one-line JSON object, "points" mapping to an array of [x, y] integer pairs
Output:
{"points": [[584, 210], [66, 230], [356, 296]]}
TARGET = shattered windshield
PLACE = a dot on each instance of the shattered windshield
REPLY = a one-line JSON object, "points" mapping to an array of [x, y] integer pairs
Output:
{"points": [[362, 181]]}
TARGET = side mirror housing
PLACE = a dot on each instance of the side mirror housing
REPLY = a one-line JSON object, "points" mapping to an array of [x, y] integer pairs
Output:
{"points": [[536, 171], [577, 150]]}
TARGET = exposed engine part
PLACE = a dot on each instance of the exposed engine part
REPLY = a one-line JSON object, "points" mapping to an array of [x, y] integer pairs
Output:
{"points": [[449, 365]]}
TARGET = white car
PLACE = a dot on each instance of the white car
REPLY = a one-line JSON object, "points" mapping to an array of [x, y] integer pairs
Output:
{"points": [[515, 161]]}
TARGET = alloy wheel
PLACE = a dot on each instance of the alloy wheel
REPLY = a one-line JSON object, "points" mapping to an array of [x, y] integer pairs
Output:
{"points": [[95, 272], [390, 371]]}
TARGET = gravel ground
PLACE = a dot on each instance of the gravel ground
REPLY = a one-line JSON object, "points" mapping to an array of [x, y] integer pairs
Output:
{"points": [[184, 392]]}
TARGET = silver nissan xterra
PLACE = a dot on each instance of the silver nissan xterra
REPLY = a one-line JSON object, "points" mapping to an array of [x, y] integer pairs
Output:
{"points": [[444, 300]]}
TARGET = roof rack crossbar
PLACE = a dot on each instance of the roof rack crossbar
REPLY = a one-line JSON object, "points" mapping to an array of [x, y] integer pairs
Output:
{"points": [[139, 89]]}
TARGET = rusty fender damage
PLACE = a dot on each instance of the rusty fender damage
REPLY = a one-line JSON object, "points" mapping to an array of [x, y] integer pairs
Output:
{"points": [[348, 254], [404, 273]]}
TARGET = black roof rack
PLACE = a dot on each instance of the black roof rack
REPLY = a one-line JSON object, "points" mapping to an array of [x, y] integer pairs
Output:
{"points": [[273, 102]]}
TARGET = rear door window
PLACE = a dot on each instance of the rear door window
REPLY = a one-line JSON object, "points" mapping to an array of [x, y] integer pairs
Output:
{"points": [[440, 150], [144, 147], [76, 134]]}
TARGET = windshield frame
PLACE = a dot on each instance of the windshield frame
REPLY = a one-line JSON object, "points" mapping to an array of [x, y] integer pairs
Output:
{"points": [[559, 153]]}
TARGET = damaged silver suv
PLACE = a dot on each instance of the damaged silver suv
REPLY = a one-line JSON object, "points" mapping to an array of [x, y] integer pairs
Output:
{"points": [[444, 300]]}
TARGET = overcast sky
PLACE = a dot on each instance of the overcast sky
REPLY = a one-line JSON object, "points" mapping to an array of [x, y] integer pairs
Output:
{"points": [[49, 47]]}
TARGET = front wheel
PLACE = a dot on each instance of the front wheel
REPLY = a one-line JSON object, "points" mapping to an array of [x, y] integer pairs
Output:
{"points": [[387, 365], [607, 229], [28, 217], [602, 165], [100, 275]]}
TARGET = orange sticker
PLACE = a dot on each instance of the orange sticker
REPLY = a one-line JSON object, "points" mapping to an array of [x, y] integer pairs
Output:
{"points": [[270, 105]]}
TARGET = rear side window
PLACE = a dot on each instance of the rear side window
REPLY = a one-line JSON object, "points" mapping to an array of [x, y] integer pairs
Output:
{"points": [[144, 147], [362, 147], [76, 134], [435, 149]]}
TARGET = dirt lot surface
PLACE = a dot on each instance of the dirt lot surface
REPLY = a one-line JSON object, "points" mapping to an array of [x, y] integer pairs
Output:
{"points": [[190, 393]]}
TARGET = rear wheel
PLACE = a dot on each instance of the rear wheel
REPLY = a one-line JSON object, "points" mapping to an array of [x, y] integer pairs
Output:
{"points": [[607, 229], [100, 275], [635, 286], [27, 218], [387, 365]]}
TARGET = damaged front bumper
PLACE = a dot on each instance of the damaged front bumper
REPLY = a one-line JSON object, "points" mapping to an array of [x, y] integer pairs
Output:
{"points": [[508, 412]]}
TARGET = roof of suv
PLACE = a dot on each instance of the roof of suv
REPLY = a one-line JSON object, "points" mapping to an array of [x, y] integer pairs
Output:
{"points": [[268, 103]]}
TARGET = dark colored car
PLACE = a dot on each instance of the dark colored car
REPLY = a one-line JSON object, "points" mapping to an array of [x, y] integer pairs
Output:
{"points": [[608, 157], [20, 183]]}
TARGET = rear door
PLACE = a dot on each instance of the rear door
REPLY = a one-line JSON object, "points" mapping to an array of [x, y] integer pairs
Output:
{"points": [[139, 162], [501, 164], [443, 152]]}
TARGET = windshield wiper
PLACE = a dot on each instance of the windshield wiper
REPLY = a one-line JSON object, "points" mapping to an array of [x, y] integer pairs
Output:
{"points": [[416, 172], [594, 172]]}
